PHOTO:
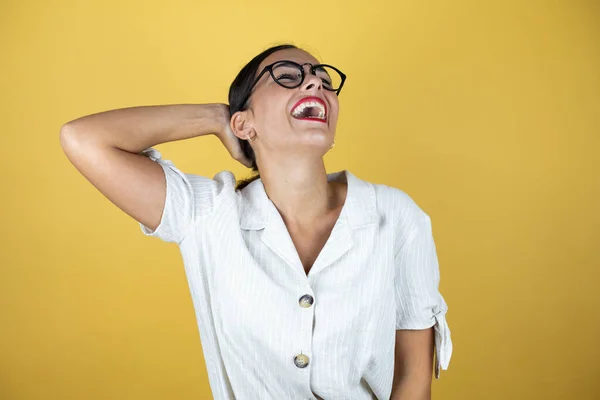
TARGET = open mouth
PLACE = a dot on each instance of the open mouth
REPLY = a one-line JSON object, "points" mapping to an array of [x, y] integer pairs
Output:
{"points": [[312, 109]]}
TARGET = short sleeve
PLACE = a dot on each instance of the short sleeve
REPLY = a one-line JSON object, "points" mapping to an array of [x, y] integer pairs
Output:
{"points": [[419, 304], [188, 198]]}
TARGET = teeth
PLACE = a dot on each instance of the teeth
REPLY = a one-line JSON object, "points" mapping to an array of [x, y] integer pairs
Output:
{"points": [[298, 110]]}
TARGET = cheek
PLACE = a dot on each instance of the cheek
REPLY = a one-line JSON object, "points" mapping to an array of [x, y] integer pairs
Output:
{"points": [[276, 107], [272, 114], [333, 104], [334, 113]]}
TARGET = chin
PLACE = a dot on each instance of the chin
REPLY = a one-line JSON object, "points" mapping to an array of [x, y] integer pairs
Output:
{"points": [[316, 138]]}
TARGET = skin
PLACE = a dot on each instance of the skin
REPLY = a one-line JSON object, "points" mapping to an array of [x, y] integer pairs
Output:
{"points": [[413, 362]]}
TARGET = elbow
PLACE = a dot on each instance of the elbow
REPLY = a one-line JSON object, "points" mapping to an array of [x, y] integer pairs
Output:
{"points": [[66, 133], [72, 136], [72, 141], [68, 136]]}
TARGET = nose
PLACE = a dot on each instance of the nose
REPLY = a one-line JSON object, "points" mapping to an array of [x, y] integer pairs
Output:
{"points": [[310, 80]]}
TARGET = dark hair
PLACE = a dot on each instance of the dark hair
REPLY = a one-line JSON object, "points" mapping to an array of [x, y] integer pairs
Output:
{"points": [[240, 90]]}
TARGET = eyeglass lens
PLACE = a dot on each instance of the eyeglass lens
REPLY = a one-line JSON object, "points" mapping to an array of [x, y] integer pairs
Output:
{"points": [[290, 75]]}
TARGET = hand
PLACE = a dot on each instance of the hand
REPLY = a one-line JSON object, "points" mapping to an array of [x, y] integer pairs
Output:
{"points": [[228, 138]]}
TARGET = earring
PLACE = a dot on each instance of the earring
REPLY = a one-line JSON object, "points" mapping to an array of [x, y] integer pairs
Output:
{"points": [[332, 145], [251, 140]]}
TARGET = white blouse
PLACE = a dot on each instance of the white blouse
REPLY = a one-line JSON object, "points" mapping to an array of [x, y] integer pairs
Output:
{"points": [[269, 330]]}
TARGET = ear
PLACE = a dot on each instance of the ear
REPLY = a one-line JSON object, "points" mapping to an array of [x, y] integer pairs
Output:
{"points": [[240, 125]]}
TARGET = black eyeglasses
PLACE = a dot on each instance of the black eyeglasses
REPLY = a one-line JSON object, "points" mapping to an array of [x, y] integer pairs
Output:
{"points": [[290, 75]]}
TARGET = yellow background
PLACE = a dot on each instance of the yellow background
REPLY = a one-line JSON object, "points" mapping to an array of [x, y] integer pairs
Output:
{"points": [[487, 113]]}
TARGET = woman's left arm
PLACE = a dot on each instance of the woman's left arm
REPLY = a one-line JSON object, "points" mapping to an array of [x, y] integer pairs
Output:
{"points": [[413, 362], [421, 324]]}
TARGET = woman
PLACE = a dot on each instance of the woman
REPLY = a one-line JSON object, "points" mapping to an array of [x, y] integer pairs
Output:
{"points": [[305, 284]]}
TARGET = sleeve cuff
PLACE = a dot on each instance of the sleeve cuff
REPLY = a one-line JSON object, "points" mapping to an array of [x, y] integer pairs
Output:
{"points": [[443, 342]]}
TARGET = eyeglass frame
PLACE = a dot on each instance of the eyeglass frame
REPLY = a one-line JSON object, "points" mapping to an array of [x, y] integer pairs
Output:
{"points": [[301, 67]]}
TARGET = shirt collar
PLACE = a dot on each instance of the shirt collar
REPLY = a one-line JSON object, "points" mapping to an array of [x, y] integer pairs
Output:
{"points": [[359, 208]]}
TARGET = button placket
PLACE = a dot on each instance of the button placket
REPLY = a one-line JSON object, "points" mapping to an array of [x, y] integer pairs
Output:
{"points": [[305, 303]]}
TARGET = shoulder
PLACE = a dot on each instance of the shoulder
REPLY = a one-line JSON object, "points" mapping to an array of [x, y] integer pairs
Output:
{"points": [[226, 180], [222, 180], [396, 201], [221, 185], [396, 196], [400, 209]]}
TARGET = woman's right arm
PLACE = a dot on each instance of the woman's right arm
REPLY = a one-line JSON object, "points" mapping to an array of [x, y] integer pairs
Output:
{"points": [[105, 148]]}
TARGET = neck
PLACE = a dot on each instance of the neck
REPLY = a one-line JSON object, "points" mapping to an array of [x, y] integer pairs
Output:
{"points": [[300, 191]]}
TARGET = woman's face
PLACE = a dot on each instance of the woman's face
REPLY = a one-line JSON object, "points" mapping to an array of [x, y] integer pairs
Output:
{"points": [[271, 105]]}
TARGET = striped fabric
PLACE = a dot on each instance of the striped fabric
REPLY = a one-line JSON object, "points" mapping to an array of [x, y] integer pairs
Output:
{"points": [[378, 272]]}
